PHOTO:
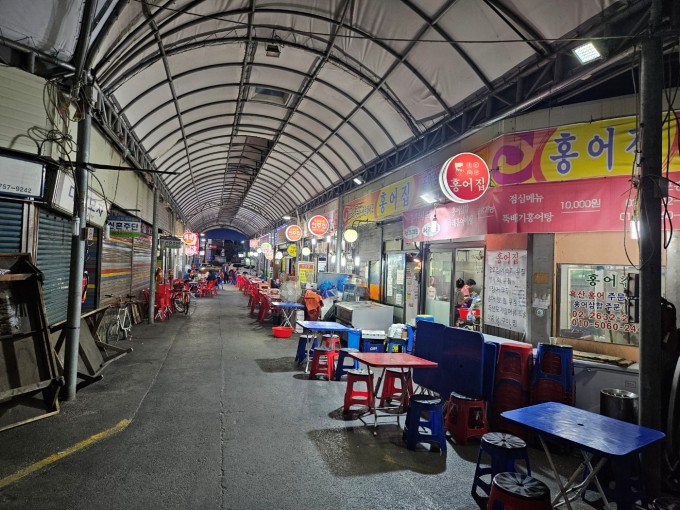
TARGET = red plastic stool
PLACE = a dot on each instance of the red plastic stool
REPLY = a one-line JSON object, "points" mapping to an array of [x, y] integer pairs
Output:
{"points": [[392, 391], [323, 363], [513, 491], [331, 342], [354, 396], [465, 418]]}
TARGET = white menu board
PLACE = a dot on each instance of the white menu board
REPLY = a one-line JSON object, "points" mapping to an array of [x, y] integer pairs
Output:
{"points": [[505, 290]]}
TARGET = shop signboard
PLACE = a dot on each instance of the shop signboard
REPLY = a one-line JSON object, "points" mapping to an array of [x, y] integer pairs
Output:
{"points": [[318, 225], [22, 178], [588, 205], [124, 226], [254, 244], [171, 242], [293, 233], [190, 240], [292, 250], [464, 178], [505, 290], [265, 247], [63, 196]]}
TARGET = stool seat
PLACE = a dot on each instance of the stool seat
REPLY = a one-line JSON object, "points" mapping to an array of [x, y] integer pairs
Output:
{"points": [[465, 418], [504, 450], [513, 491], [323, 363], [345, 362], [361, 396], [424, 422], [393, 391]]}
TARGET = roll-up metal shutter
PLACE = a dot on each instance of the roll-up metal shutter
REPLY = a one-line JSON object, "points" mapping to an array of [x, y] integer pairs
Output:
{"points": [[11, 216], [141, 264], [116, 272], [54, 260]]}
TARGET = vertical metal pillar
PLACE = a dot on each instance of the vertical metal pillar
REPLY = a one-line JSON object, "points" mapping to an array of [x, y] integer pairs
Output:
{"points": [[651, 93], [154, 250], [77, 255], [341, 229]]}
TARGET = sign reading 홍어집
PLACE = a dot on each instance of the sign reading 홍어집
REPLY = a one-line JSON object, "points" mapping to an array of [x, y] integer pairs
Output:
{"points": [[464, 178], [293, 233], [318, 225], [124, 226]]}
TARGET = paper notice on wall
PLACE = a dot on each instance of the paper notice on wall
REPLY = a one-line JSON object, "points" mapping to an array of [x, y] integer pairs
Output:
{"points": [[505, 290], [400, 275], [389, 288], [399, 299]]}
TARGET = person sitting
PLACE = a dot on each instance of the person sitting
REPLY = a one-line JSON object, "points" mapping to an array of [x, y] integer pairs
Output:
{"points": [[211, 276]]}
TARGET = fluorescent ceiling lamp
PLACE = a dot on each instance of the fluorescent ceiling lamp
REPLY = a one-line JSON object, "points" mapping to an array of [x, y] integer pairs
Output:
{"points": [[428, 198], [357, 180], [286, 217], [586, 53]]}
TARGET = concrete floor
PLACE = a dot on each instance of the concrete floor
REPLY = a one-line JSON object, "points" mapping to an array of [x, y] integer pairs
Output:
{"points": [[222, 418]]}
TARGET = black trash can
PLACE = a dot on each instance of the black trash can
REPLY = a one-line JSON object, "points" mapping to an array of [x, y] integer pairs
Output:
{"points": [[619, 404]]}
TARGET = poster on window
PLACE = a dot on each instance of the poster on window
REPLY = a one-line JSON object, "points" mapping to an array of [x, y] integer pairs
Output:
{"points": [[505, 290]]}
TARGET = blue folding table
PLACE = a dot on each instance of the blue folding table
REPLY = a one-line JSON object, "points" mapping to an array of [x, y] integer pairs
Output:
{"points": [[320, 326], [287, 311], [594, 435]]}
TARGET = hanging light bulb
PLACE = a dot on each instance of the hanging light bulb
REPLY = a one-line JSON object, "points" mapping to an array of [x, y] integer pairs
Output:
{"points": [[350, 235], [313, 241], [306, 251]]}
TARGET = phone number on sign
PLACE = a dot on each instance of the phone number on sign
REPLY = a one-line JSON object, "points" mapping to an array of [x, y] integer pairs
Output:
{"points": [[16, 189], [611, 326]]}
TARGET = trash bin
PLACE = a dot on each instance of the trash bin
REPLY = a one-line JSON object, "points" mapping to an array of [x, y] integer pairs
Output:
{"points": [[619, 404]]}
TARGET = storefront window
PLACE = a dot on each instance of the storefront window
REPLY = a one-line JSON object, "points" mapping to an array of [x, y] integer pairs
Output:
{"points": [[594, 303], [438, 294]]}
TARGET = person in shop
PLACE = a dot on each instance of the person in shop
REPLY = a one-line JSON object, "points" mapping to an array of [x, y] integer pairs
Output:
{"points": [[462, 295]]}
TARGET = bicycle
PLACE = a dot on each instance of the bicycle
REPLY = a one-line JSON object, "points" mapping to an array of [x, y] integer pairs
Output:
{"points": [[180, 298], [120, 325]]}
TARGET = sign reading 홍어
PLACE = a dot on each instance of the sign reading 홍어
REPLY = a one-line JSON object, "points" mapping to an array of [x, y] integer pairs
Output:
{"points": [[318, 225], [293, 233], [124, 226], [464, 178]]}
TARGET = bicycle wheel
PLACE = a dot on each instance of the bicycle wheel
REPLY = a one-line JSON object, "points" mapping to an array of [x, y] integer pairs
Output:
{"points": [[186, 297], [179, 305], [196, 291], [112, 331], [126, 325]]}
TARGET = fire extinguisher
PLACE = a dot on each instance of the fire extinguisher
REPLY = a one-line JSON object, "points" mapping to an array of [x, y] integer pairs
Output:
{"points": [[84, 287]]}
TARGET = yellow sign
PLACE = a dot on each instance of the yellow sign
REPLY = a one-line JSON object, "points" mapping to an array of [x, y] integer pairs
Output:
{"points": [[305, 272], [292, 250], [395, 198]]}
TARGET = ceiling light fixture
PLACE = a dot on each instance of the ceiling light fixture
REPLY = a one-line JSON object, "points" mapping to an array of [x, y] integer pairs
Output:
{"points": [[358, 181], [586, 53], [428, 198], [286, 217], [273, 50]]}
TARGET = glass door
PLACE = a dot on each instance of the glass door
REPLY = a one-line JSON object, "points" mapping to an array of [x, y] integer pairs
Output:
{"points": [[438, 293], [395, 281]]}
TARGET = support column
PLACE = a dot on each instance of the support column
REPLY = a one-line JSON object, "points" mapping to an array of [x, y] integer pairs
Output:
{"points": [[154, 250], [338, 237], [77, 255], [649, 192]]}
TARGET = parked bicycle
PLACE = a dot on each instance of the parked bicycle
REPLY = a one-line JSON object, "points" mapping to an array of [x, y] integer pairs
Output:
{"points": [[119, 326], [180, 297]]}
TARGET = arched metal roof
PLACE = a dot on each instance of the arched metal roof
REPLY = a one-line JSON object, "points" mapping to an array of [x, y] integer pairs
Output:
{"points": [[261, 107]]}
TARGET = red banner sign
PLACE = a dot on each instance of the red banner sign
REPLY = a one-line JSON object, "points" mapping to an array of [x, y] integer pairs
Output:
{"points": [[464, 178], [588, 205], [293, 233], [318, 225]]}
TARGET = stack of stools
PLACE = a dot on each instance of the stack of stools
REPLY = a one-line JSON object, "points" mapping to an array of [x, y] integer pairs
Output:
{"points": [[424, 422], [513, 491], [394, 386], [359, 396], [512, 384], [345, 362], [302, 352], [323, 363], [465, 417], [553, 377], [331, 342], [504, 450]]}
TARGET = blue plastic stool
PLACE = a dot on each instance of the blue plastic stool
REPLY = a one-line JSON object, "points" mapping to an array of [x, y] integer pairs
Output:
{"points": [[396, 345], [504, 450], [301, 356], [341, 368], [553, 374], [433, 410]]}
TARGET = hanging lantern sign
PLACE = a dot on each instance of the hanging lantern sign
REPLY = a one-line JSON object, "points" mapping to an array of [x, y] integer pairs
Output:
{"points": [[265, 247], [269, 254], [464, 178], [293, 233], [318, 225], [292, 250], [190, 237]]}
